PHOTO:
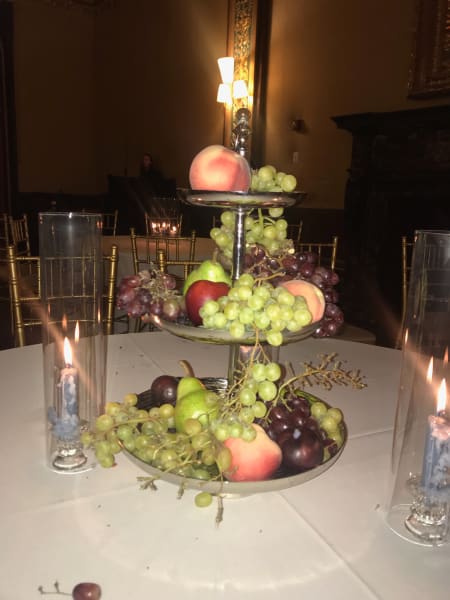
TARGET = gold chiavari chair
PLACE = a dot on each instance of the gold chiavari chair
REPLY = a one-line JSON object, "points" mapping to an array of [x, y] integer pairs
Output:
{"points": [[110, 220], [25, 283], [20, 235], [406, 257], [144, 248]]}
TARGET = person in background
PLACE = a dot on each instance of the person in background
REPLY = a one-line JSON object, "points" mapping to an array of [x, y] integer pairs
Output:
{"points": [[154, 179]]}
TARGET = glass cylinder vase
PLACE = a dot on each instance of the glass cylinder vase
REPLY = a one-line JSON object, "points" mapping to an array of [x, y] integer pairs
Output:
{"points": [[419, 501], [74, 347]]}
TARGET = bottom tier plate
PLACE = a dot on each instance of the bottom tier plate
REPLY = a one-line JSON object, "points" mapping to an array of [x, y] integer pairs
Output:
{"points": [[279, 481]]}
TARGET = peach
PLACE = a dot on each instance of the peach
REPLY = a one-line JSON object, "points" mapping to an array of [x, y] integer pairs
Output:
{"points": [[311, 293], [220, 169], [253, 461]]}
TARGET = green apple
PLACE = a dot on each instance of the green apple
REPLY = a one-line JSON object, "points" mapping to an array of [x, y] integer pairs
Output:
{"points": [[209, 270]]}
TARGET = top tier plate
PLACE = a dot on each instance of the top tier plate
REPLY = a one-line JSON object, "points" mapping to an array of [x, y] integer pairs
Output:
{"points": [[245, 200]]}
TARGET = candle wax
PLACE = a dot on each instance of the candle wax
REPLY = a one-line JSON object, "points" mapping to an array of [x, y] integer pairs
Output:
{"points": [[436, 459]]}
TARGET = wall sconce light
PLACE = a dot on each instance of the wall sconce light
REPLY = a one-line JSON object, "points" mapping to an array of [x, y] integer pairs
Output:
{"points": [[230, 89], [226, 68], [224, 94], [234, 96]]}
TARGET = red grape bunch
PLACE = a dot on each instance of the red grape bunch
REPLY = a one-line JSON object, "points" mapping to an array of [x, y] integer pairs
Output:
{"points": [[307, 431], [150, 293]]}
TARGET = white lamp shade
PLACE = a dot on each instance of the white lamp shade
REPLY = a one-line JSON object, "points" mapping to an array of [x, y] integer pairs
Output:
{"points": [[226, 68], [224, 93], [240, 89]]}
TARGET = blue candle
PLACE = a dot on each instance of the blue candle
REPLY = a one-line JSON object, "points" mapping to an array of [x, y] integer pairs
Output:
{"points": [[68, 419], [436, 457]]}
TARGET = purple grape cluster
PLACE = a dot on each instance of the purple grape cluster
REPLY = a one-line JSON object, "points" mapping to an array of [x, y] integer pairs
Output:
{"points": [[150, 293], [303, 441], [300, 265]]}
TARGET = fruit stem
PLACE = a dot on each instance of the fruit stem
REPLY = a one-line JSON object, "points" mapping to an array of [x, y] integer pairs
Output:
{"points": [[189, 371]]}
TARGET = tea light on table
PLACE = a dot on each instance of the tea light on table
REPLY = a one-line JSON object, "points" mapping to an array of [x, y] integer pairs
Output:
{"points": [[436, 458]]}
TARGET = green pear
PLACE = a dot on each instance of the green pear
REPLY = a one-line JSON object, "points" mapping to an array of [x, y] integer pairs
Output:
{"points": [[187, 385], [209, 270], [194, 406]]}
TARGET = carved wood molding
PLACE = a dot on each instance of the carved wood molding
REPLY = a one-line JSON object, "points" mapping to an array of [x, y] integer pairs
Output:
{"points": [[430, 69]]}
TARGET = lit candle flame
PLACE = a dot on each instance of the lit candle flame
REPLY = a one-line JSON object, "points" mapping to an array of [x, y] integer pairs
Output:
{"points": [[445, 359], [442, 397], [430, 371], [67, 352], [77, 332]]}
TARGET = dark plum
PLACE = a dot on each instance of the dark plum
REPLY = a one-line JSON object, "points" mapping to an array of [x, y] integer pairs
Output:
{"points": [[303, 453], [164, 390]]}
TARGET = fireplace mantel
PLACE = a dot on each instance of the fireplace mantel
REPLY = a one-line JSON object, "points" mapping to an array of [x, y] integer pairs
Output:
{"points": [[399, 181]]}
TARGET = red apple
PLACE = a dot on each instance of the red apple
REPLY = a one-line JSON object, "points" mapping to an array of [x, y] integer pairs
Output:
{"points": [[311, 293], [201, 291], [220, 169], [253, 461]]}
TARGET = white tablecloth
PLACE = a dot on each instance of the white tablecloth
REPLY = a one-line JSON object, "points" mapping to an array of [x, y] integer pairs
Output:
{"points": [[323, 539]]}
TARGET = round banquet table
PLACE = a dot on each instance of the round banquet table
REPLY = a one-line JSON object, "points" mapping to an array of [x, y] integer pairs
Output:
{"points": [[323, 539]]}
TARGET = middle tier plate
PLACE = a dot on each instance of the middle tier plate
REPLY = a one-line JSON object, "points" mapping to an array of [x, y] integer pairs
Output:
{"points": [[222, 336]]}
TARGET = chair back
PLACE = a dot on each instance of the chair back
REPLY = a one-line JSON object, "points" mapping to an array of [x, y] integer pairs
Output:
{"points": [[179, 268], [20, 235], [110, 220], [144, 248], [25, 285], [326, 251]]}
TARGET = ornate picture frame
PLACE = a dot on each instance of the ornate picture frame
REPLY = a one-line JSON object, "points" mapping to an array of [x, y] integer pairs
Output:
{"points": [[430, 69]]}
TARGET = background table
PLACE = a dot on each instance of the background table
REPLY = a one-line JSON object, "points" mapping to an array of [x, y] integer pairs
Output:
{"points": [[323, 539]]}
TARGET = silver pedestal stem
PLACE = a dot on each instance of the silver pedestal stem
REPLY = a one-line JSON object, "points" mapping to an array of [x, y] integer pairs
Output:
{"points": [[241, 134]]}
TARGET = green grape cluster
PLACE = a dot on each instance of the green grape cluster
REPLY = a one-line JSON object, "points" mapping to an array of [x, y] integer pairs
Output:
{"points": [[268, 179], [266, 229], [246, 401], [150, 435], [330, 420], [256, 305]]}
